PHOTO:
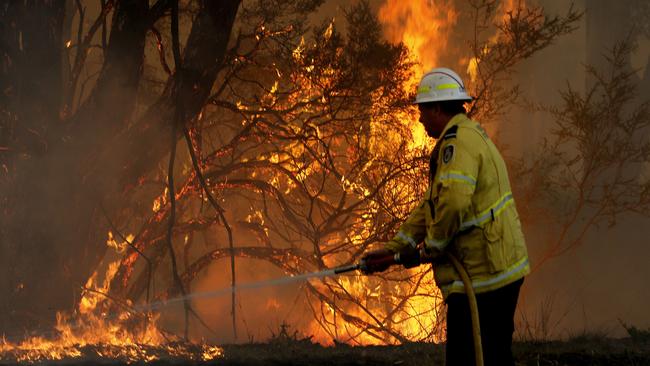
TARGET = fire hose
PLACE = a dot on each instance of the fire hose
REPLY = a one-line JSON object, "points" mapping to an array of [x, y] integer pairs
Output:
{"points": [[385, 259], [372, 262]]}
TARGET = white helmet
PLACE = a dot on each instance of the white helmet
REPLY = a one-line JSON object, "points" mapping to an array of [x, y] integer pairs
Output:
{"points": [[439, 85]]}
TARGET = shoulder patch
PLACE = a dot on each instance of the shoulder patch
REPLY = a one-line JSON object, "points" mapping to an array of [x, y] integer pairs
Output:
{"points": [[447, 153], [450, 133]]}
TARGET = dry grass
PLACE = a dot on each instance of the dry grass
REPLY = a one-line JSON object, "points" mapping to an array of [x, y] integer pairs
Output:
{"points": [[586, 349]]}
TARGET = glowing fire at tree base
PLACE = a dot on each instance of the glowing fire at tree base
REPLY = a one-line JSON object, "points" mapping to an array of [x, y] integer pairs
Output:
{"points": [[97, 333]]}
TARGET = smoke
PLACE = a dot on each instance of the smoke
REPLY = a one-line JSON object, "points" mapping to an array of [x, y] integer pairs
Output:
{"points": [[260, 312], [587, 289], [601, 282]]}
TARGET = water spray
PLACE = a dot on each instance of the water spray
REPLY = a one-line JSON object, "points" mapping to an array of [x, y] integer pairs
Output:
{"points": [[368, 264], [248, 286], [377, 261], [365, 265]]}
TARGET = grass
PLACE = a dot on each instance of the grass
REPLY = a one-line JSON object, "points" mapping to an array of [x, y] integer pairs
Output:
{"points": [[637, 335]]}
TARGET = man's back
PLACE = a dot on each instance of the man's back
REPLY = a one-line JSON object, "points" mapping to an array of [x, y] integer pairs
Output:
{"points": [[475, 214]]}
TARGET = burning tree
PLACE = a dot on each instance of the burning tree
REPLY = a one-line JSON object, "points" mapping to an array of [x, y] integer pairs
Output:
{"points": [[298, 141], [307, 143], [69, 150]]}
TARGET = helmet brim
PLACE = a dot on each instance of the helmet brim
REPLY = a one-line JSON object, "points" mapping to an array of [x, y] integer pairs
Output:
{"points": [[435, 100]]}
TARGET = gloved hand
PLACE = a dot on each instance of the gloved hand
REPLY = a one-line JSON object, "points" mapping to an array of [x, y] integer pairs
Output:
{"points": [[377, 261], [428, 255], [409, 257]]}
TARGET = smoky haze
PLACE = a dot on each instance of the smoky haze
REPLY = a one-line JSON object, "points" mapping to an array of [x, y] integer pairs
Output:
{"points": [[602, 281], [590, 288]]}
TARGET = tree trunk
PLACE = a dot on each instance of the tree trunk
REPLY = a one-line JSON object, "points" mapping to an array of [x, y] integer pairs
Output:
{"points": [[51, 242], [147, 141], [31, 73], [52, 233]]}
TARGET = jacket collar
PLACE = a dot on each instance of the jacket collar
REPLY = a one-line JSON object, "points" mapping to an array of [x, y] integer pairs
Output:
{"points": [[454, 121]]}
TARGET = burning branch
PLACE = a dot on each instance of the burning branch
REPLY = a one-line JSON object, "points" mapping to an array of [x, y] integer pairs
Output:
{"points": [[178, 120], [133, 247], [220, 212], [161, 50]]}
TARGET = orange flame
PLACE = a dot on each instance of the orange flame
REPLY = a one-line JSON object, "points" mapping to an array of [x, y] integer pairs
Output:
{"points": [[424, 26], [503, 13], [112, 336], [417, 321]]}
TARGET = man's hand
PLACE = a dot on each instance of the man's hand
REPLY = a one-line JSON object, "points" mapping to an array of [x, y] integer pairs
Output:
{"points": [[377, 261], [427, 255], [409, 257]]}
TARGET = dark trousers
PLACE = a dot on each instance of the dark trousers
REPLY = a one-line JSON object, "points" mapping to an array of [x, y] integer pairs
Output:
{"points": [[496, 315]]}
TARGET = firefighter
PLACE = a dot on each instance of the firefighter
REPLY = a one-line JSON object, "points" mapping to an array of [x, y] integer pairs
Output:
{"points": [[468, 211]]}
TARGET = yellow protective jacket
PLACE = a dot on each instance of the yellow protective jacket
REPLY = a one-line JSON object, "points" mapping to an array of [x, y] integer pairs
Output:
{"points": [[469, 211]]}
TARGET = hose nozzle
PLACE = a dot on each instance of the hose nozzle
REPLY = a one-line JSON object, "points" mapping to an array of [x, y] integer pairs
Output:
{"points": [[380, 260], [348, 268]]}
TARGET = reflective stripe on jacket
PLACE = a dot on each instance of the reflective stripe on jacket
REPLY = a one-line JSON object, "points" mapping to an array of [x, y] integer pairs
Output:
{"points": [[468, 210]]}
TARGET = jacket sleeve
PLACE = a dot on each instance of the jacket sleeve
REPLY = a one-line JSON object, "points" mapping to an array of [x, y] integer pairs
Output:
{"points": [[454, 184], [412, 231]]}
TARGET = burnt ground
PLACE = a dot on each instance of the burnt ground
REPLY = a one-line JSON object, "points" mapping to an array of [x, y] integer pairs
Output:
{"points": [[579, 351], [583, 351]]}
